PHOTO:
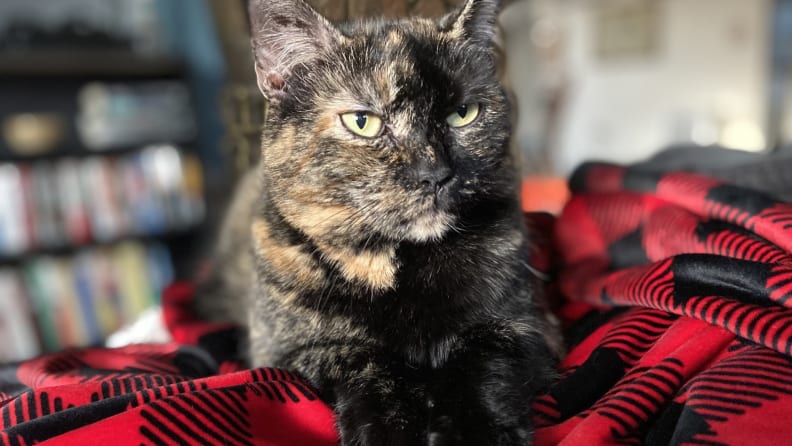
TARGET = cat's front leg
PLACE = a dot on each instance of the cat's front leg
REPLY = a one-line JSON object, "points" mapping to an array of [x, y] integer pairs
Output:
{"points": [[384, 403], [482, 395], [375, 413], [378, 400]]}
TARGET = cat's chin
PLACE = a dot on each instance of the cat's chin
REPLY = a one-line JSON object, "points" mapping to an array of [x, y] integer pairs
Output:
{"points": [[429, 227]]}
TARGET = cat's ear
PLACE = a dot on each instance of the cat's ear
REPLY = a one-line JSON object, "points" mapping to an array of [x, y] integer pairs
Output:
{"points": [[474, 20], [285, 34]]}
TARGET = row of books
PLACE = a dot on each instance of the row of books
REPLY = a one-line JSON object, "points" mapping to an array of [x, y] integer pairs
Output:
{"points": [[124, 114], [75, 201], [50, 303]]}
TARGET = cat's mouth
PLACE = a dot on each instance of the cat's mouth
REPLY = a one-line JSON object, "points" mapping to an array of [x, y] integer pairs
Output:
{"points": [[446, 194], [433, 213], [436, 215]]}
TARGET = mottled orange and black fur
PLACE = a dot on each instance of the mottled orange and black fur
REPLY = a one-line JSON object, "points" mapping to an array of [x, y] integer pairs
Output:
{"points": [[389, 271]]}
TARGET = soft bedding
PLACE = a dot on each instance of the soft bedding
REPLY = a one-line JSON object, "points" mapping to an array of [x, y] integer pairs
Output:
{"points": [[674, 291]]}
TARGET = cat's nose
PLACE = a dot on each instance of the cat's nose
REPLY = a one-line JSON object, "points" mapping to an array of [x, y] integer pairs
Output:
{"points": [[432, 177]]}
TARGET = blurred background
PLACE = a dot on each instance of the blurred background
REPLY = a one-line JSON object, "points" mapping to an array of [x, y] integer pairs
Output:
{"points": [[124, 124]]}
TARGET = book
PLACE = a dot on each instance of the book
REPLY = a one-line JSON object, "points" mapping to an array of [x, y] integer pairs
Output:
{"points": [[20, 340]]}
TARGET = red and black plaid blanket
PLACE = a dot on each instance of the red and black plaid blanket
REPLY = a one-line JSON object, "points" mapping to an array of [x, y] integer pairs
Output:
{"points": [[674, 291]]}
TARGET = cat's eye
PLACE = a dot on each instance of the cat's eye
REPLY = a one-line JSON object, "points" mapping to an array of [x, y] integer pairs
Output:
{"points": [[463, 115], [365, 124]]}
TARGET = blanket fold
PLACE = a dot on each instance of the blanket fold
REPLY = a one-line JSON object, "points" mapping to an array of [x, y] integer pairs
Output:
{"points": [[701, 354]]}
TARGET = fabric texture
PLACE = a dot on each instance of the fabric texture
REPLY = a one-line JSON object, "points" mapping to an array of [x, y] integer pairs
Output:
{"points": [[674, 291], [769, 172], [188, 392]]}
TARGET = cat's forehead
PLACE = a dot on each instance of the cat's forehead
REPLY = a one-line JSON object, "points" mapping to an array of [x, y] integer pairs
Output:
{"points": [[392, 30], [406, 56], [414, 41]]}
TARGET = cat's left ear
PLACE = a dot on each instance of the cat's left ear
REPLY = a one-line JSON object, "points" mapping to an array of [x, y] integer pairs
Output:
{"points": [[474, 21]]}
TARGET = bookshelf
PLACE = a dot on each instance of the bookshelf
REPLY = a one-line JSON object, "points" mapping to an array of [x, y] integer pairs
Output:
{"points": [[102, 189]]}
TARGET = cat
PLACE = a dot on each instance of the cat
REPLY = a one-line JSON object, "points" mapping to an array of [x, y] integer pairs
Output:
{"points": [[379, 248]]}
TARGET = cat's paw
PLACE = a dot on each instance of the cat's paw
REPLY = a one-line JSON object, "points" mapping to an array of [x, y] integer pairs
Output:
{"points": [[482, 395], [477, 430], [370, 433], [364, 421]]}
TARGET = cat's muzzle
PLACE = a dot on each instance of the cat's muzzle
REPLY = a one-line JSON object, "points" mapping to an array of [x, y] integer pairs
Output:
{"points": [[447, 193]]}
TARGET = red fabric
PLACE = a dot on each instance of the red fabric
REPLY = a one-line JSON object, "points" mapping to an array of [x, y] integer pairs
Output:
{"points": [[160, 394], [153, 395], [674, 291]]}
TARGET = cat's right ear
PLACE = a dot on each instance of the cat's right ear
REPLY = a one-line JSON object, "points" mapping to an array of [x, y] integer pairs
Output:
{"points": [[285, 34]]}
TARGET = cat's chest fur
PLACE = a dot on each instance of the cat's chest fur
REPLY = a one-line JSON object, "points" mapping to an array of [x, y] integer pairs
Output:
{"points": [[439, 290], [443, 291]]}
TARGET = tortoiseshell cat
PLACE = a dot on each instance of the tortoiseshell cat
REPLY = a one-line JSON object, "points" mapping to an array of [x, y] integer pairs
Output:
{"points": [[389, 255]]}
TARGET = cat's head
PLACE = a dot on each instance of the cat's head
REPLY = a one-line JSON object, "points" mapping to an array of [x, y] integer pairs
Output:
{"points": [[381, 129]]}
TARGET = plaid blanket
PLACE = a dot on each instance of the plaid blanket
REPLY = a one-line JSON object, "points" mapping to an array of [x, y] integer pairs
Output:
{"points": [[189, 392], [674, 291]]}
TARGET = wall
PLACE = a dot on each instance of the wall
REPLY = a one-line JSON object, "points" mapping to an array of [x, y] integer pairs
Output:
{"points": [[706, 82], [781, 98]]}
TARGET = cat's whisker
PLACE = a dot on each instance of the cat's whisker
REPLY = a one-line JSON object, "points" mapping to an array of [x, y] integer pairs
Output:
{"points": [[455, 228]]}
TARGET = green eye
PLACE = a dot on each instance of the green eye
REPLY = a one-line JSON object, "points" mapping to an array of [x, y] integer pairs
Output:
{"points": [[362, 123], [464, 115]]}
